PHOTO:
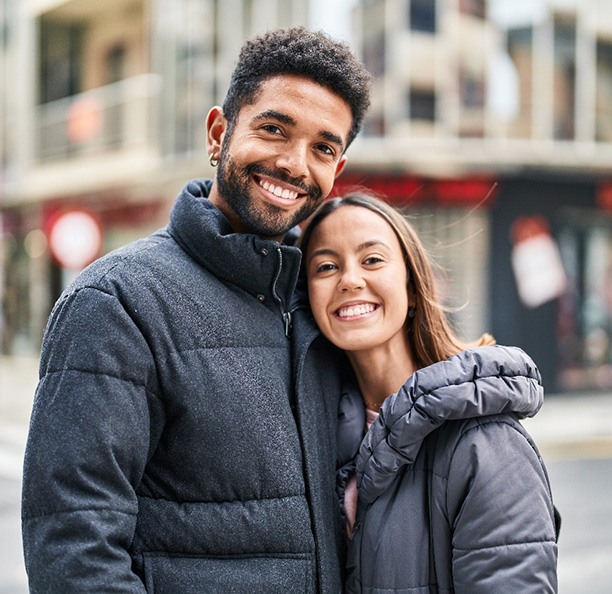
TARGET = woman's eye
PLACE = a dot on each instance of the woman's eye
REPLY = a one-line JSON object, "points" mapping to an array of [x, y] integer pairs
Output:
{"points": [[324, 267], [373, 260]]}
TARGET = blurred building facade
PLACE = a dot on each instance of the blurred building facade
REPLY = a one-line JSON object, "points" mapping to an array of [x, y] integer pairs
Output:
{"points": [[102, 113], [495, 116], [491, 124]]}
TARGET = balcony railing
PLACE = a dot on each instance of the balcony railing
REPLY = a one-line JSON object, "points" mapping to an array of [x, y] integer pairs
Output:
{"points": [[107, 119]]}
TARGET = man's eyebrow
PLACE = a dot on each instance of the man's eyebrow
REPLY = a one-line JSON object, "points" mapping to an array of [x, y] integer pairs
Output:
{"points": [[331, 137], [276, 115], [283, 118]]}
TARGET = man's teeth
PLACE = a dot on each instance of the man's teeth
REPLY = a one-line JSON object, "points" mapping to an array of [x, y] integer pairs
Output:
{"points": [[288, 194], [355, 310]]}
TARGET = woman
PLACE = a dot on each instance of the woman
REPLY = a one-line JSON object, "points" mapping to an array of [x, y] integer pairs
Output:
{"points": [[452, 493]]}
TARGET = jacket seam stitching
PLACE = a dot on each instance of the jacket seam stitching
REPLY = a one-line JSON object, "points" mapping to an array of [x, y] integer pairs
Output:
{"points": [[100, 373], [506, 545], [27, 517]]}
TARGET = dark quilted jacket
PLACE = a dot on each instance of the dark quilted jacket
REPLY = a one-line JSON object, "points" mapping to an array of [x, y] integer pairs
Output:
{"points": [[180, 441]]}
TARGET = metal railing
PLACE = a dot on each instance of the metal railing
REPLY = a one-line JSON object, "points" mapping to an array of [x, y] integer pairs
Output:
{"points": [[110, 118]]}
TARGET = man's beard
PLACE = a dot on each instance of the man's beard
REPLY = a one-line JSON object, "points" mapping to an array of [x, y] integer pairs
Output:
{"points": [[263, 219]]}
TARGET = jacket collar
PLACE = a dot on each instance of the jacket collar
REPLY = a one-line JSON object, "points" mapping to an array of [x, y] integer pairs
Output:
{"points": [[240, 259], [478, 382]]}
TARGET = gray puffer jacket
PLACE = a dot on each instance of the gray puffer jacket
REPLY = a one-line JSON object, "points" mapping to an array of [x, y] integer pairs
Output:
{"points": [[453, 494]]}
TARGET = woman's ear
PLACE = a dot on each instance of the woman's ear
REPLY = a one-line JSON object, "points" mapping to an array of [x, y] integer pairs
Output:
{"points": [[216, 126]]}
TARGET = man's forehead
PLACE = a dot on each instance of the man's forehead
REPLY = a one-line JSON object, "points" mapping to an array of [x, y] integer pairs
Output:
{"points": [[288, 97]]}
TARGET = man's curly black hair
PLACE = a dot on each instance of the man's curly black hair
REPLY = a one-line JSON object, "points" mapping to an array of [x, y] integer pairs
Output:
{"points": [[299, 51]]}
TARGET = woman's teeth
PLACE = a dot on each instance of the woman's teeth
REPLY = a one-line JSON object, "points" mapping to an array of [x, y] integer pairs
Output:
{"points": [[355, 310]]}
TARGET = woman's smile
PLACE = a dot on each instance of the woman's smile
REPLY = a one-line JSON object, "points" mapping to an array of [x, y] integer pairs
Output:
{"points": [[355, 311]]}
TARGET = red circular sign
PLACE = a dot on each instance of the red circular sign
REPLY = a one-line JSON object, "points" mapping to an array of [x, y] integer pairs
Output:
{"points": [[75, 239]]}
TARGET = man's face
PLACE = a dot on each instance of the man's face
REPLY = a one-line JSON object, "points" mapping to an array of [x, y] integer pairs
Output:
{"points": [[281, 158]]}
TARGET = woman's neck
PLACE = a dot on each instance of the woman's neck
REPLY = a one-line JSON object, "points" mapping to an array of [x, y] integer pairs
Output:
{"points": [[381, 372]]}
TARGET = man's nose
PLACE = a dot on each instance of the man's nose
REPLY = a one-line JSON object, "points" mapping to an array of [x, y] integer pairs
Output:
{"points": [[294, 160]]}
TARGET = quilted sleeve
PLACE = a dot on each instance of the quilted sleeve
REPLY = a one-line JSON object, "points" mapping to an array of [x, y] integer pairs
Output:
{"points": [[87, 447], [501, 512]]}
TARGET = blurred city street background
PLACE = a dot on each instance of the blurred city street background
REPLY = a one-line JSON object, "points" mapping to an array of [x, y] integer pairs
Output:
{"points": [[574, 433], [490, 127]]}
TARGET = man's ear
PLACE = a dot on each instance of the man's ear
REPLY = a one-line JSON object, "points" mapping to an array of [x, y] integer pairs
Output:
{"points": [[216, 126], [340, 166]]}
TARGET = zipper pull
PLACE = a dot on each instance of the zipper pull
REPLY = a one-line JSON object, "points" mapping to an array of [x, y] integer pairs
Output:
{"points": [[287, 320]]}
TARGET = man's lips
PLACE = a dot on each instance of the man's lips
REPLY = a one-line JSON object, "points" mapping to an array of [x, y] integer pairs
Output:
{"points": [[355, 310], [280, 191]]}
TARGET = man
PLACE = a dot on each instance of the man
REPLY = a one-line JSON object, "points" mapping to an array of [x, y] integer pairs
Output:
{"points": [[183, 432]]}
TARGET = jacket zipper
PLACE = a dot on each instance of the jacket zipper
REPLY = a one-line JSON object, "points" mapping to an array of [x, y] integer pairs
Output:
{"points": [[286, 314]]}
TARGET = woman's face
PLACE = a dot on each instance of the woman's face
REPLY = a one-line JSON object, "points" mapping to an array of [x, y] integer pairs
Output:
{"points": [[357, 280]]}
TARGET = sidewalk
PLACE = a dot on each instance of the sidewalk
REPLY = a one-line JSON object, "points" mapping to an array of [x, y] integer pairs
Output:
{"points": [[568, 425], [572, 426], [18, 378]]}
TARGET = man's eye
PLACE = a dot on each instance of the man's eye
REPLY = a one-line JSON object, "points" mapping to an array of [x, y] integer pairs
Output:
{"points": [[324, 148], [272, 129]]}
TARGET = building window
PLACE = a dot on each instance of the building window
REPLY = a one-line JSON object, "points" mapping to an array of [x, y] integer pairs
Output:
{"points": [[6, 14], [422, 105], [472, 91], [603, 104], [476, 8], [520, 50], [564, 102], [188, 49], [374, 55], [115, 73], [373, 35], [59, 60], [423, 15], [584, 326]]}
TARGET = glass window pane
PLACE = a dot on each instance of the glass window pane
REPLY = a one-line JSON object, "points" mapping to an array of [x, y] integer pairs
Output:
{"points": [[423, 15]]}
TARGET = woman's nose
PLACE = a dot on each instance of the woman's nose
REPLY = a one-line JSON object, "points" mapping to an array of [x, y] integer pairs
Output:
{"points": [[351, 279]]}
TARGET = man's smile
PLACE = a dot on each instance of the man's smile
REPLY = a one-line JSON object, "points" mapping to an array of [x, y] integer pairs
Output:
{"points": [[278, 190]]}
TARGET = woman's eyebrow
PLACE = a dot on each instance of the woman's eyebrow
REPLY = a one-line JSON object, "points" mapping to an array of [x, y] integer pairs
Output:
{"points": [[322, 252], [362, 246], [372, 243]]}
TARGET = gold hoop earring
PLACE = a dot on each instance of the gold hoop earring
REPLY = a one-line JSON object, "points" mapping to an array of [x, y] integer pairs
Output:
{"points": [[213, 159]]}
